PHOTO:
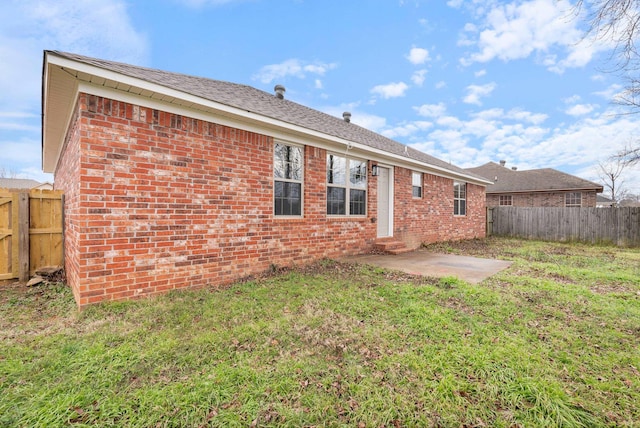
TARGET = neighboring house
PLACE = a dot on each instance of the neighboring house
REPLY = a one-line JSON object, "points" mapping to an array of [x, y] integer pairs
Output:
{"points": [[18, 184], [630, 201], [536, 187], [173, 181], [44, 186], [603, 202]]}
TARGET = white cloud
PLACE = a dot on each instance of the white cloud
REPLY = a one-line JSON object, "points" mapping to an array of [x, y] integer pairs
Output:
{"points": [[610, 93], [441, 84], [407, 129], [525, 116], [518, 136], [533, 118], [580, 109], [480, 73], [475, 92], [572, 99], [517, 30], [418, 77], [20, 151], [17, 115], [450, 122], [318, 68], [13, 126], [91, 27], [431, 110], [391, 90], [418, 56], [318, 84], [291, 67], [358, 117]]}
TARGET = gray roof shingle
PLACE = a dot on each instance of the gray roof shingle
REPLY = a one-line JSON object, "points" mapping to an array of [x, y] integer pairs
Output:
{"points": [[268, 105], [18, 183], [533, 180]]}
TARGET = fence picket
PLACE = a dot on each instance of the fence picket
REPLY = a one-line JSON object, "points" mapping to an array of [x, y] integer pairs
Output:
{"points": [[31, 233], [620, 226]]}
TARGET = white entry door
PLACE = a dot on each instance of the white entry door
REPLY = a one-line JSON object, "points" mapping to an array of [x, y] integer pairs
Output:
{"points": [[385, 209]]}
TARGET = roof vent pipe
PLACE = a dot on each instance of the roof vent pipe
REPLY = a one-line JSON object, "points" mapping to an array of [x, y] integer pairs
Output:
{"points": [[280, 90], [515, 168], [346, 116], [503, 162]]}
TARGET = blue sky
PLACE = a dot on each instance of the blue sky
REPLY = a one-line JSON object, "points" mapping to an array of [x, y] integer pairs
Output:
{"points": [[468, 82]]}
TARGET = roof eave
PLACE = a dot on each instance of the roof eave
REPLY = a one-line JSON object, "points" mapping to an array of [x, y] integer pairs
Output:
{"points": [[568, 189], [114, 81]]}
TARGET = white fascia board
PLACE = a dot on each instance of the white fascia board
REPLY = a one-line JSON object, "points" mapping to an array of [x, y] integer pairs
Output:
{"points": [[568, 189], [238, 117]]}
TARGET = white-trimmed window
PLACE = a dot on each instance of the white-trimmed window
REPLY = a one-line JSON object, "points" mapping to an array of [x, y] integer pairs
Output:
{"points": [[573, 199], [416, 184], [459, 198], [346, 186], [506, 200], [287, 180]]}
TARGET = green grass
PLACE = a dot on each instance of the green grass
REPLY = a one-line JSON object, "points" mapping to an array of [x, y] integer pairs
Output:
{"points": [[552, 341]]}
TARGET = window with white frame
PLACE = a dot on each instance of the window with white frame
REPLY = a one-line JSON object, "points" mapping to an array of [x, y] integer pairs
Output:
{"points": [[573, 199], [287, 180], [506, 200], [416, 184], [459, 198], [346, 186]]}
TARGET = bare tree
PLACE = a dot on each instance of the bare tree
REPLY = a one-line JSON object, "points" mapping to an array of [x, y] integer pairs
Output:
{"points": [[7, 173], [610, 174], [618, 21], [630, 155]]}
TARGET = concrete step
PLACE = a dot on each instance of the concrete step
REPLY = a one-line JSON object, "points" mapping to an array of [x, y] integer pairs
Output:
{"points": [[391, 246], [397, 251]]}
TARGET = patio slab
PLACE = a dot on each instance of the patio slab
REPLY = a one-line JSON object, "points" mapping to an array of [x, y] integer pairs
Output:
{"points": [[422, 262]]}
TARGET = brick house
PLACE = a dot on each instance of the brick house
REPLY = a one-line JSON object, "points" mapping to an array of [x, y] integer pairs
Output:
{"points": [[545, 187], [176, 181]]}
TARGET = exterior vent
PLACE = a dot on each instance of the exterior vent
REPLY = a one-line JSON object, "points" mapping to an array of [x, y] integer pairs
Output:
{"points": [[346, 116], [280, 90], [503, 162]]}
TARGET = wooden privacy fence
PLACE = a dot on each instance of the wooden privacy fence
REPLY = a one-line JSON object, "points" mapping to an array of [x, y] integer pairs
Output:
{"points": [[30, 232], [620, 226]]}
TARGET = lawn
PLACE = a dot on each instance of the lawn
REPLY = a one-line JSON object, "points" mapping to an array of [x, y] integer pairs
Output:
{"points": [[552, 341]]}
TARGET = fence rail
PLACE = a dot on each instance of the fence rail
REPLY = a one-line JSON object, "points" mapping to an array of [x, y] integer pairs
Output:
{"points": [[620, 226], [30, 232]]}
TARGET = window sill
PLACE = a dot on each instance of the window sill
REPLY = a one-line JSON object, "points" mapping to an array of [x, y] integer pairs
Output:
{"points": [[288, 217], [347, 217]]}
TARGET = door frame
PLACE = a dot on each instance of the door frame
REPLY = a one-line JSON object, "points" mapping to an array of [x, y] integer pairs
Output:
{"points": [[391, 200]]}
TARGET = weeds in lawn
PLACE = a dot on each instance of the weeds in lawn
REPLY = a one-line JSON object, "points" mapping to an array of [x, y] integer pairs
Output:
{"points": [[552, 341]]}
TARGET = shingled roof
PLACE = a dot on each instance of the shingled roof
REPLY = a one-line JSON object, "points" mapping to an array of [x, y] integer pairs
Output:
{"points": [[18, 183], [506, 180], [252, 100]]}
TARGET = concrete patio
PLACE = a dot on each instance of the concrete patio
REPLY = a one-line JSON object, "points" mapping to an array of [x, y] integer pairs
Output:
{"points": [[422, 262]]}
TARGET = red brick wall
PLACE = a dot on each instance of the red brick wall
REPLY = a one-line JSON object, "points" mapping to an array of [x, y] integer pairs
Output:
{"points": [[67, 179], [430, 218], [542, 199], [157, 201]]}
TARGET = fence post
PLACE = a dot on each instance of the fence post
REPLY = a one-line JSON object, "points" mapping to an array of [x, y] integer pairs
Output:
{"points": [[489, 221], [23, 236]]}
